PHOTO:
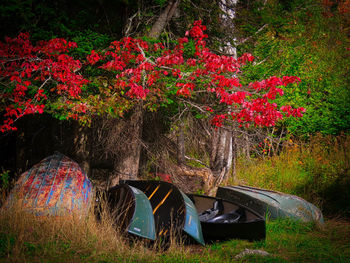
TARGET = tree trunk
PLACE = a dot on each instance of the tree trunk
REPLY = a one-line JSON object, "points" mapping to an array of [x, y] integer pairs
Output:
{"points": [[228, 14], [163, 19], [127, 166], [181, 145], [221, 156], [82, 147]]}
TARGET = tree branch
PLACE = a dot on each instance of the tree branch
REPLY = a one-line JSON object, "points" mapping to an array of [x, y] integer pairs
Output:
{"points": [[163, 19]]}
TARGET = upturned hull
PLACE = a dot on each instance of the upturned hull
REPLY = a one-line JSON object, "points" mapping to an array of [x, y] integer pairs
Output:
{"points": [[272, 204], [55, 186]]}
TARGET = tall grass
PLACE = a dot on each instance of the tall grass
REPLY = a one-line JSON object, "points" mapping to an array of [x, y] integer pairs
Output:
{"points": [[26, 237], [318, 171]]}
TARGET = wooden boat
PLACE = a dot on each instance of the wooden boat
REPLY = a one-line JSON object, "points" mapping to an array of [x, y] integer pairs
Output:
{"points": [[174, 213], [222, 219], [131, 211], [272, 204], [54, 186]]}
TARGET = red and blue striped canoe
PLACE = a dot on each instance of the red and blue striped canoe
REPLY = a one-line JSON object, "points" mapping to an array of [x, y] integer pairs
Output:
{"points": [[55, 186]]}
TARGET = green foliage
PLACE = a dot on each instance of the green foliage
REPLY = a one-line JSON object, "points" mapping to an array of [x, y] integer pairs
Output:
{"points": [[299, 39], [160, 2], [88, 40], [4, 179], [189, 48], [62, 18], [7, 242]]}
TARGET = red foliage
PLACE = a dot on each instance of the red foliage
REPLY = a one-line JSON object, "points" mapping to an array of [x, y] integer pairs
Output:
{"points": [[34, 72], [164, 177], [141, 71]]}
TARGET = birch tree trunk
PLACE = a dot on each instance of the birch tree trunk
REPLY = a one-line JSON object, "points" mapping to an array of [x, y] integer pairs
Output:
{"points": [[222, 157], [228, 15], [181, 145]]}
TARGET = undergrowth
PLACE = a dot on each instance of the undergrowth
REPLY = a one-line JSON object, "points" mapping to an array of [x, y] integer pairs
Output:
{"points": [[27, 238], [318, 171]]}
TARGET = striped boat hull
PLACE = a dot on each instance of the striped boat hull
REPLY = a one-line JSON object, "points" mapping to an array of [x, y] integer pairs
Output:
{"points": [[54, 186]]}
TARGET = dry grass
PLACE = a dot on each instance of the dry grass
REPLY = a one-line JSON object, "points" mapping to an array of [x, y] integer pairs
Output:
{"points": [[26, 237], [319, 171]]}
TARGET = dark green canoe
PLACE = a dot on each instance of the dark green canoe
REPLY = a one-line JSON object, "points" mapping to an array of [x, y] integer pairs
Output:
{"points": [[272, 204], [131, 211], [173, 211]]}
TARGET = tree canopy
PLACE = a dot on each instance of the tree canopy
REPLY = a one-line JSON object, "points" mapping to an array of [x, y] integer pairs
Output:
{"points": [[45, 77]]}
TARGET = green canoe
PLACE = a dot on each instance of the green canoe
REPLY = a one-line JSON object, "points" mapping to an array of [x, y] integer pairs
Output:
{"points": [[272, 204], [173, 211], [131, 211]]}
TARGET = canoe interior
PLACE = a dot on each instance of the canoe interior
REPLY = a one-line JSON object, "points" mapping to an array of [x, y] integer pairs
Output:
{"points": [[204, 203], [121, 202], [232, 221], [229, 193]]}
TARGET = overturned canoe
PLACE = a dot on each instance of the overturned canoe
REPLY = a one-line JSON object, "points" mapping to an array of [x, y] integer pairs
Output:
{"points": [[131, 211], [272, 204], [222, 219], [54, 186], [173, 211]]}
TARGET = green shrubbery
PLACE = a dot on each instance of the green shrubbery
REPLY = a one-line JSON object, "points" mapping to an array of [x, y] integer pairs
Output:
{"points": [[309, 40]]}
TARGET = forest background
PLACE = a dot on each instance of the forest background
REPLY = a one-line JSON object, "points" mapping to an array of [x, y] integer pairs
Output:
{"points": [[129, 137]]}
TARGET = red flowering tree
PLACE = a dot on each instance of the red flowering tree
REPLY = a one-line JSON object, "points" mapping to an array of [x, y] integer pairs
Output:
{"points": [[188, 74], [33, 75], [202, 79]]}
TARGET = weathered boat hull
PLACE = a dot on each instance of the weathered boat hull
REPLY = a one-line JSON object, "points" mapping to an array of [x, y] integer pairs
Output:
{"points": [[173, 211], [231, 221], [54, 186], [131, 211], [272, 204]]}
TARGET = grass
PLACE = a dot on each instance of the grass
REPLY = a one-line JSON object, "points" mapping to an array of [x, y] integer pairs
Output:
{"points": [[28, 238], [318, 171]]}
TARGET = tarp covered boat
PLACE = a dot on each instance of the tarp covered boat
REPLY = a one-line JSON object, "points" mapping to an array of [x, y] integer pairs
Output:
{"points": [[222, 219], [54, 186], [131, 211], [272, 204], [173, 211]]}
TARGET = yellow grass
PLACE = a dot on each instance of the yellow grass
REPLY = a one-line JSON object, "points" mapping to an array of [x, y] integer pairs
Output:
{"points": [[316, 170], [72, 239]]}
